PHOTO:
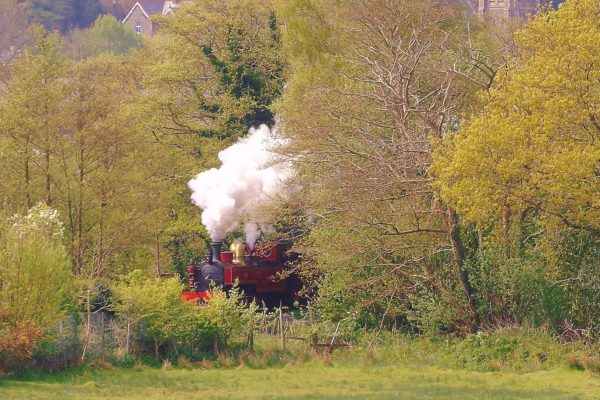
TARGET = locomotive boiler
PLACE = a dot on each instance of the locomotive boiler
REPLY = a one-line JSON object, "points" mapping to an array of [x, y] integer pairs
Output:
{"points": [[260, 273]]}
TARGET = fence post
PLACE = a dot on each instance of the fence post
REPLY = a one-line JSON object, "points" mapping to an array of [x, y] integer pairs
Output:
{"points": [[281, 330], [251, 340], [61, 334], [102, 336], [127, 339]]}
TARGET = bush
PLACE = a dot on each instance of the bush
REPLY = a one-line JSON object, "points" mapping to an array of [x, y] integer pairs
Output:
{"points": [[158, 311], [17, 341], [230, 314], [160, 314], [517, 348], [35, 281]]}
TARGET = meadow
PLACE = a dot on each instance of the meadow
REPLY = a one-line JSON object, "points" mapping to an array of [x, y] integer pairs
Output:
{"points": [[312, 380]]}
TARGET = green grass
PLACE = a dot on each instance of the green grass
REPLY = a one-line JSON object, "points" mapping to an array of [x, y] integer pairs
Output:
{"points": [[313, 380]]}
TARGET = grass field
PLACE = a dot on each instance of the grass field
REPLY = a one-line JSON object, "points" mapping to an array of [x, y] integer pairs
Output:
{"points": [[313, 380]]}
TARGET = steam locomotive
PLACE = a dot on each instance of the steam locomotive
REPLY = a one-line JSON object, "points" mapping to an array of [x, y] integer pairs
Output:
{"points": [[261, 273]]}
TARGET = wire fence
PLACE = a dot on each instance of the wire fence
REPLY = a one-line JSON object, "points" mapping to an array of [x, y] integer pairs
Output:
{"points": [[102, 336]]}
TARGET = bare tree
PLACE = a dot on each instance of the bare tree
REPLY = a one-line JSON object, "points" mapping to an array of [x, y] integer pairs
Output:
{"points": [[404, 74]]}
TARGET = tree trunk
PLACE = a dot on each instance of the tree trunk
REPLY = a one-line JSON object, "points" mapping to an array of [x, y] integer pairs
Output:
{"points": [[458, 259], [27, 174], [48, 179], [79, 255]]}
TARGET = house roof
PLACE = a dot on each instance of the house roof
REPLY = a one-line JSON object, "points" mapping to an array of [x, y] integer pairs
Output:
{"points": [[152, 7], [170, 7], [148, 7]]}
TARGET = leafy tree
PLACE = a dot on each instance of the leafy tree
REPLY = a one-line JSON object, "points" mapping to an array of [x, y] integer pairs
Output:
{"points": [[535, 148], [157, 308], [111, 169], [525, 172], [211, 73], [32, 120], [107, 35], [63, 15], [52, 14], [217, 68], [74, 136], [35, 271]]}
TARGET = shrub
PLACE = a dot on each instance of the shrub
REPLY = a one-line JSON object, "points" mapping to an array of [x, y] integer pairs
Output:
{"points": [[35, 281], [518, 348], [17, 341], [156, 308], [230, 314], [592, 364]]}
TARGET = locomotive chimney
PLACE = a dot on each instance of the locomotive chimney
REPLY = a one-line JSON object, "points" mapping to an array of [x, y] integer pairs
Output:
{"points": [[216, 251]]}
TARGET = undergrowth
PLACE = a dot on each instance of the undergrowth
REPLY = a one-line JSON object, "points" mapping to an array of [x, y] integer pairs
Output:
{"points": [[512, 349]]}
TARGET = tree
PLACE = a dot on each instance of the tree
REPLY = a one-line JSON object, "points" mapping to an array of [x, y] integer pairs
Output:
{"points": [[212, 73], [107, 35], [111, 169], [524, 172], [374, 85], [217, 69], [535, 148], [32, 119], [63, 15], [52, 14], [74, 136]]}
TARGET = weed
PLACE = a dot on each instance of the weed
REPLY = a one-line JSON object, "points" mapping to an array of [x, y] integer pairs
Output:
{"points": [[592, 364], [575, 361], [183, 362]]}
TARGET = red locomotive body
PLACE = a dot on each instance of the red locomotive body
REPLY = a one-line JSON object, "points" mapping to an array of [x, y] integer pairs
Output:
{"points": [[260, 274]]}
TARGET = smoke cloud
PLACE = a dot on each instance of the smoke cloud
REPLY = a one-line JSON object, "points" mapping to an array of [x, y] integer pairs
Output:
{"points": [[250, 175]]}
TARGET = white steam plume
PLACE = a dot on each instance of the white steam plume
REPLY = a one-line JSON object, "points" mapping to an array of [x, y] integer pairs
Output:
{"points": [[249, 175]]}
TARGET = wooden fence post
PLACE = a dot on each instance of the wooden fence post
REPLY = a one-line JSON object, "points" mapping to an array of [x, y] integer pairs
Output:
{"points": [[103, 342], [281, 329]]}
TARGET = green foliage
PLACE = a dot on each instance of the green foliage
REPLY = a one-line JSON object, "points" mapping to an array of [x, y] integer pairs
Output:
{"points": [[372, 87], [513, 348], [156, 307], [35, 275], [576, 277], [53, 14], [35, 280], [430, 313], [62, 15], [535, 146], [31, 119], [217, 69], [159, 311], [107, 35], [75, 135], [210, 74], [230, 313]]}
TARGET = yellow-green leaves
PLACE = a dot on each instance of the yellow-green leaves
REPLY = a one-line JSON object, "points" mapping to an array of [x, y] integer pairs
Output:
{"points": [[537, 144]]}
